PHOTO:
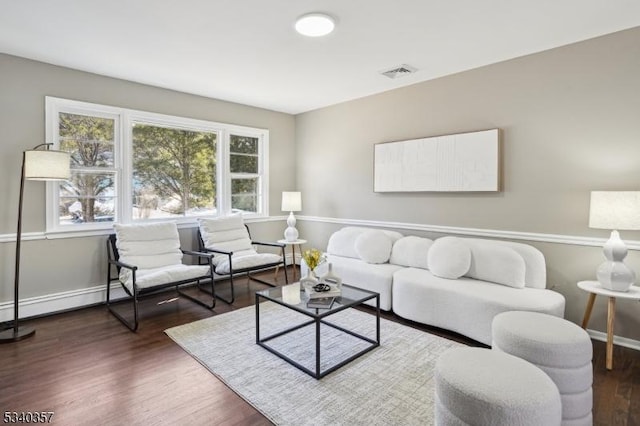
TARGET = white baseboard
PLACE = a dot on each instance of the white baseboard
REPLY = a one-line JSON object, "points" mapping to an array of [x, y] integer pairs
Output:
{"points": [[617, 340], [52, 303]]}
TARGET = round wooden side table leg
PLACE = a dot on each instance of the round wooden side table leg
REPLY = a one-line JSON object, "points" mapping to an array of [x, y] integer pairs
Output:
{"points": [[293, 261], [587, 312], [611, 316]]}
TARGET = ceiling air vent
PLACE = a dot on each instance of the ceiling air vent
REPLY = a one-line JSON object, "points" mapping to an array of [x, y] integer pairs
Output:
{"points": [[399, 71]]}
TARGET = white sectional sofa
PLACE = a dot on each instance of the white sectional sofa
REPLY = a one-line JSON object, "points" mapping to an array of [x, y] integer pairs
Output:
{"points": [[458, 284]]}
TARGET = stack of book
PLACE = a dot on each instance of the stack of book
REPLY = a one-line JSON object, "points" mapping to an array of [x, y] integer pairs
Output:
{"points": [[323, 298], [321, 302]]}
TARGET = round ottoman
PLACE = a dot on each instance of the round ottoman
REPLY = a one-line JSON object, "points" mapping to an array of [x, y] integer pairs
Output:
{"points": [[476, 386], [560, 348]]}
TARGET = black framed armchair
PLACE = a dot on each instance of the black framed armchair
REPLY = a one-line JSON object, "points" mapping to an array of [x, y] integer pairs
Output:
{"points": [[148, 259], [234, 252]]}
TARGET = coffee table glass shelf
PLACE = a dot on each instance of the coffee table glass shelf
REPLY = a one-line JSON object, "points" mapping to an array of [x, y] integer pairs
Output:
{"points": [[319, 319]]}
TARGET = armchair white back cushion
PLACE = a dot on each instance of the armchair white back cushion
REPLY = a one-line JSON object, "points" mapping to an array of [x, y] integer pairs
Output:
{"points": [[225, 233], [149, 245], [229, 234]]}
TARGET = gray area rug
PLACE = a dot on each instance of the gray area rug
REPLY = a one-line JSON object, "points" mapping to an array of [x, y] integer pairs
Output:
{"points": [[391, 385]]}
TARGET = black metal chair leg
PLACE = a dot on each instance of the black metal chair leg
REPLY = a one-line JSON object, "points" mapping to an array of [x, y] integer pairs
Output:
{"points": [[198, 301], [123, 320]]}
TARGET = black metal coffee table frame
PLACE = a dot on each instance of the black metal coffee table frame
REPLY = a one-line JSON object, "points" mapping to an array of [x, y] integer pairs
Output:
{"points": [[318, 317]]}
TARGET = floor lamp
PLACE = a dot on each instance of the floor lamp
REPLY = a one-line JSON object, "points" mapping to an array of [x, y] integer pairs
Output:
{"points": [[39, 163]]}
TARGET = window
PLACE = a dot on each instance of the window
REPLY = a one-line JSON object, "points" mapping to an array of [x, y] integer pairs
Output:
{"points": [[245, 173], [130, 166]]}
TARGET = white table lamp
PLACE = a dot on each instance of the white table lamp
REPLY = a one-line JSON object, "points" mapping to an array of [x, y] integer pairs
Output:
{"points": [[291, 202], [615, 210]]}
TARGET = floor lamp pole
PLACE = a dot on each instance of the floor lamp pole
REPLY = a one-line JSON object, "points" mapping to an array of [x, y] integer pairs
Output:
{"points": [[17, 333]]}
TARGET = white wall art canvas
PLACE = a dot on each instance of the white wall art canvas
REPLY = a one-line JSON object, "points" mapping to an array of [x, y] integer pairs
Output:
{"points": [[464, 162]]}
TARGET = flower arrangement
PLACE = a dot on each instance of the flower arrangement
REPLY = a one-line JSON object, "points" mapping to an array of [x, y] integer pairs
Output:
{"points": [[313, 257]]}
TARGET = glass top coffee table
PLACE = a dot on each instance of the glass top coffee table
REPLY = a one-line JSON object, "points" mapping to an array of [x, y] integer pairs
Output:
{"points": [[349, 298]]}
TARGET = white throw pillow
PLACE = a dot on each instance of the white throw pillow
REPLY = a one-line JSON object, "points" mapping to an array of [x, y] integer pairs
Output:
{"points": [[449, 257], [411, 251], [373, 246], [498, 264]]}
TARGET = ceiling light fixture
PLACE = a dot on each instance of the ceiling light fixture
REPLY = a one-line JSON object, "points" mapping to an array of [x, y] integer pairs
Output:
{"points": [[315, 24]]}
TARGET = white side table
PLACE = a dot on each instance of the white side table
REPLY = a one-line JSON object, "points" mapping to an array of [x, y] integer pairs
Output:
{"points": [[595, 288], [293, 245]]}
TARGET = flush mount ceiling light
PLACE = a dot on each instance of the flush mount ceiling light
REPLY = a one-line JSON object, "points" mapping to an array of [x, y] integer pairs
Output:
{"points": [[315, 24]]}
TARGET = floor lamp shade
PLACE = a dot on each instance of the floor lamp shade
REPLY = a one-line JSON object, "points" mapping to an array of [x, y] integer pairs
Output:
{"points": [[37, 164], [615, 210], [291, 202], [46, 165]]}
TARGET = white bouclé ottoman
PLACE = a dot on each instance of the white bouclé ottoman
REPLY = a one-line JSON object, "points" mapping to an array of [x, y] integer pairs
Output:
{"points": [[476, 386], [560, 348]]}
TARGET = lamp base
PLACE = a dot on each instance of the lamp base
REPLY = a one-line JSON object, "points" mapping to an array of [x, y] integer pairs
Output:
{"points": [[291, 234], [11, 335], [613, 274]]}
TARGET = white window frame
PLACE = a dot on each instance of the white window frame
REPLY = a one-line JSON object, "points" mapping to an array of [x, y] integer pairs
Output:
{"points": [[123, 139]]}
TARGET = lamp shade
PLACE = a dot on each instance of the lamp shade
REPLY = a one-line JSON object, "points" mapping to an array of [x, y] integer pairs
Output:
{"points": [[291, 201], [46, 165], [615, 210]]}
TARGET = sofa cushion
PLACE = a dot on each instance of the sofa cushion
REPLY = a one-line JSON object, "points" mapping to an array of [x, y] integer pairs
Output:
{"points": [[465, 305], [357, 273], [342, 242], [497, 264], [411, 251], [373, 246], [449, 257]]}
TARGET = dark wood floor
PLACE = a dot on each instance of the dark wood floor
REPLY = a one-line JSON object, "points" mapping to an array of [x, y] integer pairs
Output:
{"points": [[90, 370]]}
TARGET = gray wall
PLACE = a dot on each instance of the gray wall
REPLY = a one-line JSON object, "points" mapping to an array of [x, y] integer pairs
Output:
{"points": [[52, 266], [570, 121]]}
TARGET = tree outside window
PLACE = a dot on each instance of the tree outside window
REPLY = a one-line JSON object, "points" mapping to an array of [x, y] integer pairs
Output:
{"points": [[174, 172], [244, 165], [89, 196]]}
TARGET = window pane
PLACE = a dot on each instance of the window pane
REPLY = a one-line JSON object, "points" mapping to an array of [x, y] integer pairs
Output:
{"points": [[244, 164], [244, 145], [174, 172], [244, 195], [244, 154], [87, 198], [88, 139]]}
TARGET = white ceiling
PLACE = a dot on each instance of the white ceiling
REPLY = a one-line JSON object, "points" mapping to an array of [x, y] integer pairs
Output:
{"points": [[247, 51]]}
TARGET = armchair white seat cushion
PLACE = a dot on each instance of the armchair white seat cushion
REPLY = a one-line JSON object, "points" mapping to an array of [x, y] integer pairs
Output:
{"points": [[155, 249], [147, 278], [244, 260]]}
